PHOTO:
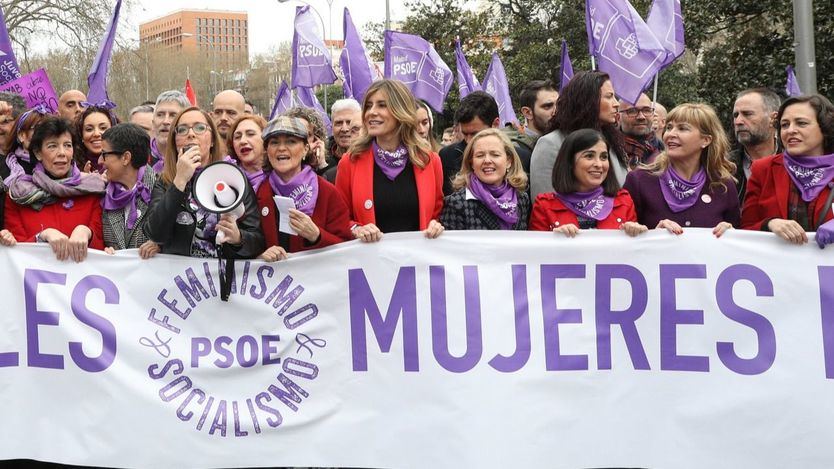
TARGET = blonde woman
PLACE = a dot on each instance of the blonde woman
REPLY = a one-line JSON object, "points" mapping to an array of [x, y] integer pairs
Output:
{"points": [[490, 189], [690, 184], [392, 181]]}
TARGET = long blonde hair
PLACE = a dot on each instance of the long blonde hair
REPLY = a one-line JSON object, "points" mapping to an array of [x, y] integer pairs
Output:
{"points": [[516, 176], [713, 158], [218, 150], [403, 107]]}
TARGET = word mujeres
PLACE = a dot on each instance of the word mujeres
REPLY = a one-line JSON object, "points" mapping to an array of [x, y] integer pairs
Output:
{"points": [[365, 316]]}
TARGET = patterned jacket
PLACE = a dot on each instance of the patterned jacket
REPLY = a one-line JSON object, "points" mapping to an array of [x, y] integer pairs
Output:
{"points": [[116, 234], [460, 213]]}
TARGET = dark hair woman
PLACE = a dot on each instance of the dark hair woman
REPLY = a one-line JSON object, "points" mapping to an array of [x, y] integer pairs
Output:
{"points": [[90, 126], [789, 194], [124, 157], [587, 194], [576, 110], [392, 180], [176, 221], [57, 204]]}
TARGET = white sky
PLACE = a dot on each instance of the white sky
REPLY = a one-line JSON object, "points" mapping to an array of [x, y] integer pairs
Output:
{"points": [[270, 22]]}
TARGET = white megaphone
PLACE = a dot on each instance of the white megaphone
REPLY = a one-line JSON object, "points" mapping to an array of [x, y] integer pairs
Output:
{"points": [[220, 188]]}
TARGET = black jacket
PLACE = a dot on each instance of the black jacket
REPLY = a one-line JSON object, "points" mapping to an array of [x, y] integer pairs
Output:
{"points": [[175, 238], [461, 214]]}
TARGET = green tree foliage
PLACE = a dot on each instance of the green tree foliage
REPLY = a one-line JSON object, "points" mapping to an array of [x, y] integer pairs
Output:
{"points": [[731, 44]]}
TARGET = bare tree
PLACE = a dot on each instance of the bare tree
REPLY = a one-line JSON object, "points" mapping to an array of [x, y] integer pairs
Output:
{"points": [[76, 24]]}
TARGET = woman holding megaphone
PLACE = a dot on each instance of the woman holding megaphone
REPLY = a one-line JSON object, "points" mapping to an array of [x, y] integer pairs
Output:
{"points": [[320, 216], [180, 223]]}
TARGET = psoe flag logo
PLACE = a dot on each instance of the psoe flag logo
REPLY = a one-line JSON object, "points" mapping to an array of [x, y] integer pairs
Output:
{"points": [[627, 47], [240, 368]]}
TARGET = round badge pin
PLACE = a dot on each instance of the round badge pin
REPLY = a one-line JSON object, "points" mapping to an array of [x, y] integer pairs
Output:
{"points": [[265, 211], [368, 204], [706, 198]]}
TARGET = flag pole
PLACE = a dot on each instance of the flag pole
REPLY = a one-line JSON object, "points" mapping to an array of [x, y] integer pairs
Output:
{"points": [[593, 63], [654, 93]]}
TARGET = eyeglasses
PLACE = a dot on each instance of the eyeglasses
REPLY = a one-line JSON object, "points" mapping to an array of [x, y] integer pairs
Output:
{"points": [[198, 128], [633, 111], [104, 154]]}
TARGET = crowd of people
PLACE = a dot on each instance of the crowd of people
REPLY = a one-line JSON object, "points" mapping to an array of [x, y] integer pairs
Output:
{"points": [[582, 160]]}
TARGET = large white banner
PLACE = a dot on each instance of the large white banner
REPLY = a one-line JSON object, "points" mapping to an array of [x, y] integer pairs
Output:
{"points": [[478, 349]]}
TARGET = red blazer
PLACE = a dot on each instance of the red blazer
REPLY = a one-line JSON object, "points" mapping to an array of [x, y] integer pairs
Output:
{"points": [[330, 215], [355, 181], [24, 222], [549, 212], [768, 189]]}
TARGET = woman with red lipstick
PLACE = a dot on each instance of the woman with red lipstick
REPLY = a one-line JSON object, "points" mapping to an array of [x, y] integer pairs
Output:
{"points": [[392, 181], [246, 147], [57, 204], [690, 184], [587, 102], [587, 194], [90, 126], [790, 194]]}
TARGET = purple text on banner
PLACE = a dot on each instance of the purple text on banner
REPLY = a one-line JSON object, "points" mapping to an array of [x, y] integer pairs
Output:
{"points": [[35, 88]]}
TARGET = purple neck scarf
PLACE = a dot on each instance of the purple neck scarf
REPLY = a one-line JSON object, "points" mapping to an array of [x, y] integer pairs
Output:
{"points": [[303, 188], [117, 196], [391, 163], [255, 179], [15, 169], [158, 156], [592, 205], [501, 200], [679, 193], [810, 174]]}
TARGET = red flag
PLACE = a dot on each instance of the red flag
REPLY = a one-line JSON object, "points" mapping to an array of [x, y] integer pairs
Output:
{"points": [[189, 92]]}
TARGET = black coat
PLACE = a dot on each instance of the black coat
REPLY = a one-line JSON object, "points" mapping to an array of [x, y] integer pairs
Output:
{"points": [[175, 238], [461, 214]]}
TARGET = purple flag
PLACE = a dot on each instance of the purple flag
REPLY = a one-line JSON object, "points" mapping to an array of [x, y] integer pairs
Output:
{"points": [[283, 101], [356, 65], [467, 82], [495, 83], [566, 68], [311, 63], [308, 99], [792, 86], [666, 21], [413, 61], [97, 79], [623, 45], [8, 63]]}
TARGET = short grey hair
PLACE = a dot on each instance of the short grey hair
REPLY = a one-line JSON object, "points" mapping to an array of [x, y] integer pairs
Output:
{"points": [[345, 104], [140, 108], [770, 99], [175, 96], [15, 101]]}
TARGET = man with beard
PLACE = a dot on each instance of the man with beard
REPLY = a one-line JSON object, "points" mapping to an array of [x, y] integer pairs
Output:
{"points": [[753, 122], [227, 106], [69, 104], [640, 143]]}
